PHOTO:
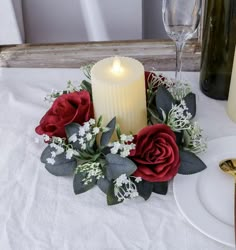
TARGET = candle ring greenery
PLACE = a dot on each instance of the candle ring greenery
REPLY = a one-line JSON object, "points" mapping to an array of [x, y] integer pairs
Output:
{"points": [[133, 164]]}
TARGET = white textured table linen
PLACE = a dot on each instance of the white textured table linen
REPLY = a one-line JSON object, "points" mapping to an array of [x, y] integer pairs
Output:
{"points": [[39, 211]]}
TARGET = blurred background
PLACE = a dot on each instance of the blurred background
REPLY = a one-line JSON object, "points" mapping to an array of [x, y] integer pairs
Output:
{"points": [[59, 21]]}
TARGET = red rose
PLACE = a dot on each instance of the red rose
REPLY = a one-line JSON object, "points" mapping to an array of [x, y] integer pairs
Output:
{"points": [[156, 154], [73, 107]]}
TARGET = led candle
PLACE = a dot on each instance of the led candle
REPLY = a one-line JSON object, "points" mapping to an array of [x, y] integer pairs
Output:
{"points": [[232, 92], [118, 89]]}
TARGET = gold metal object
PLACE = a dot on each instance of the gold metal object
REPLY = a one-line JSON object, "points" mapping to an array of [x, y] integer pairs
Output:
{"points": [[229, 166]]}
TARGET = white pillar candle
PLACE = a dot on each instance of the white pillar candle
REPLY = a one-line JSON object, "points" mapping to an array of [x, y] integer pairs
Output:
{"points": [[118, 89], [231, 108]]}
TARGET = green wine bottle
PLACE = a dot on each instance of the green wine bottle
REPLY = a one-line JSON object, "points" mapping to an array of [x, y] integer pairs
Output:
{"points": [[218, 45]]}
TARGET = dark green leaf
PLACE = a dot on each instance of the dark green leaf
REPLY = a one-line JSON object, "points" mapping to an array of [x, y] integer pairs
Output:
{"points": [[103, 184], [63, 169], [106, 136], [85, 85], [62, 166], [71, 129], [79, 186], [160, 187], [164, 101], [190, 163], [190, 100], [111, 198], [106, 150], [144, 189], [179, 138], [118, 131], [99, 122], [118, 165]]}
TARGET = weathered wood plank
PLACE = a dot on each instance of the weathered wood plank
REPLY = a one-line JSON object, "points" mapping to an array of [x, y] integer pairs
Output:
{"points": [[153, 54]]}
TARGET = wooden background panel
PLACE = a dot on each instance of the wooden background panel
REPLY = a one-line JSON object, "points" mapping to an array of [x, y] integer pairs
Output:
{"points": [[159, 55]]}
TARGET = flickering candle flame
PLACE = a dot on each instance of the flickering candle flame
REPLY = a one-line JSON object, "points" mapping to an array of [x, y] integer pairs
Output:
{"points": [[116, 66]]}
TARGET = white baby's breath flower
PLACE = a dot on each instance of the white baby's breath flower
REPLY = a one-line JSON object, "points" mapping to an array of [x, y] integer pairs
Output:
{"points": [[122, 179], [124, 188], [60, 150], [138, 179], [58, 140], [46, 137], [81, 131], [86, 126], [69, 153], [53, 154], [179, 117], [124, 153], [50, 161], [53, 145], [83, 146], [134, 194], [73, 138], [92, 121], [129, 138], [123, 137], [81, 140], [114, 150], [89, 136], [96, 130]]}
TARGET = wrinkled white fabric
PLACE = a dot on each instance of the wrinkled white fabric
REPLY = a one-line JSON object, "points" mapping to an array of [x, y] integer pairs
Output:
{"points": [[39, 211]]}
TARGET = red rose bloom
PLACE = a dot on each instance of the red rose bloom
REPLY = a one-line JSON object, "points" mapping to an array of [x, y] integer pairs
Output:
{"points": [[156, 154], [73, 107]]}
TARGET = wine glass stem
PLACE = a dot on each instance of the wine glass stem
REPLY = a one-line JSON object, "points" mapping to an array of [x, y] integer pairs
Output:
{"points": [[179, 50]]}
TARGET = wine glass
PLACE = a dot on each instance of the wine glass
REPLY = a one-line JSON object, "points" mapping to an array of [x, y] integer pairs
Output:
{"points": [[181, 19]]}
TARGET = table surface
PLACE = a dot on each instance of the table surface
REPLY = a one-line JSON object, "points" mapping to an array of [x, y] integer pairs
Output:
{"points": [[39, 211]]}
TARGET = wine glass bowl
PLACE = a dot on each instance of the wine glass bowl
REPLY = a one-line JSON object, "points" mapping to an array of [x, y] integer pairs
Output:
{"points": [[181, 19]]}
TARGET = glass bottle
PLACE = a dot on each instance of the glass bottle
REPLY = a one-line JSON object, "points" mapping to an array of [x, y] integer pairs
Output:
{"points": [[218, 44]]}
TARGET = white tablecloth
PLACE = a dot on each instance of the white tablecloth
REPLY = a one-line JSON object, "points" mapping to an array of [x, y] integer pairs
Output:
{"points": [[39, 211]]}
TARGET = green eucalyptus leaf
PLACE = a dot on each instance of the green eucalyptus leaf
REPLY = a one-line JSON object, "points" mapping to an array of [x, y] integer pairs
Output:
{"points": [[111, 198], [63, 169], [46, 154], [103, 184], [106, 136], [99, 122], [160, 187], [62, 166], [164, 101], [118, 131], [71, 129], [118, 165], [79, 186], [144, 189], [190, 163], [179, 138], [190, 100]]}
